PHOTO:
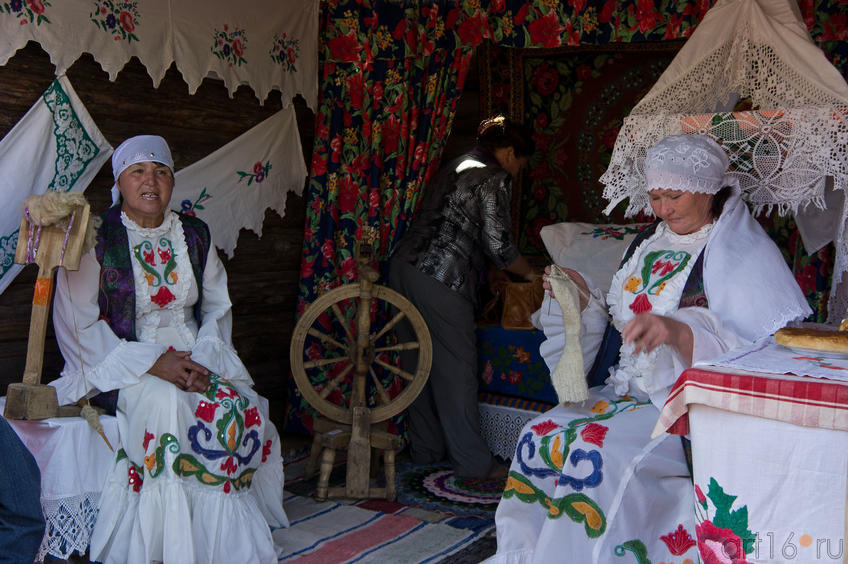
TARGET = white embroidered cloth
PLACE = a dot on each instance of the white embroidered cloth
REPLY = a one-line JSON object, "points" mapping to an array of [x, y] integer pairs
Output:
{"points": [[272, 45], [767, 356], [782, 154], [55, 146], [782, 484], [74, 461], [232, 187]]}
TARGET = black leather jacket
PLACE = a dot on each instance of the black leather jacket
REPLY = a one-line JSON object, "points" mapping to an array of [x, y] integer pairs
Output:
{"points": [[463, 218]]}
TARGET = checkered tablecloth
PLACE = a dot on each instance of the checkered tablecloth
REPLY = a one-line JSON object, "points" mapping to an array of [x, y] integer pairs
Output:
{"points": [[800, 400]]}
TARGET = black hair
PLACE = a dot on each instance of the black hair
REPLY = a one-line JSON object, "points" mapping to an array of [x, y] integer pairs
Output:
{"points": [[719, 199], [499, 131]]}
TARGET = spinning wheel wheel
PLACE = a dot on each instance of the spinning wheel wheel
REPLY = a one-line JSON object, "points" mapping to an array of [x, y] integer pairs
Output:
{"points": [[345, 357], [361, 352]]}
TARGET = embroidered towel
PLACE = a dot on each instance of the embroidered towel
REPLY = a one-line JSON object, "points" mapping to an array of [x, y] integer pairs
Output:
{"points": [[55, 146], [232, 187], [271, 45], [767, 356]]}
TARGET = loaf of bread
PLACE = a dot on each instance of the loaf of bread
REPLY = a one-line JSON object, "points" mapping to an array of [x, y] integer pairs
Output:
{"points": [[813, 339]]}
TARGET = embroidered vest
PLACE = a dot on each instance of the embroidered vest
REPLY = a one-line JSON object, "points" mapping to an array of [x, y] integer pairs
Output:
{"points": [[693, 295], [116, 295]]}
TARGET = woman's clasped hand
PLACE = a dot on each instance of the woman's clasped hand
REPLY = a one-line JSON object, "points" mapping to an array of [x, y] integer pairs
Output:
{"points": [[178, 368]]}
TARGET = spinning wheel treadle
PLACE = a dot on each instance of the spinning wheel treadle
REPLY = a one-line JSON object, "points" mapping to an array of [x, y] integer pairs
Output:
{"points": [[360, 354]]}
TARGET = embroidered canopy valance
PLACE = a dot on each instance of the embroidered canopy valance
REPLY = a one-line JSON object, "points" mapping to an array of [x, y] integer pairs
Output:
{"points": [[271, 45]]}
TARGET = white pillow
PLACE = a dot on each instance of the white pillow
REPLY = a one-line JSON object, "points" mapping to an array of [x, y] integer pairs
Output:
{"points": [[593, 249]]}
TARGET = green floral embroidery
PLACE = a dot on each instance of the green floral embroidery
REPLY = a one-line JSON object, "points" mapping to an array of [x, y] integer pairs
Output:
{"points": [[636, 547], [7, 251], [260, 173], [169, 442], [727, 528], [665, 264], [229, 45], [285, 51], [187, 465], [27, 11], [74, 148], [612, 233], [577, 506], [116, 18]]}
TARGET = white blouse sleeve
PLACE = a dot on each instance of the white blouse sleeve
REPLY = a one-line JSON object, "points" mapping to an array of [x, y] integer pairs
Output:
{"points": [[213, 348], [95, 358], [711, 338]]}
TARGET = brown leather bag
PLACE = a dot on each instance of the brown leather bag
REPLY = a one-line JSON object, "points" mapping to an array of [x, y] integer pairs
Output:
{"points": [[520, 300]]}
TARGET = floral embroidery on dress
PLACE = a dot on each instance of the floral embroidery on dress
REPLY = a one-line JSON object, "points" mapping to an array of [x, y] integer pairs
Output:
{"points": [[552, 456], [678, 541], [658, 267], [544, 427], [134, 472], [116, 18], [159, 273], [225, 437], [594, 433]]}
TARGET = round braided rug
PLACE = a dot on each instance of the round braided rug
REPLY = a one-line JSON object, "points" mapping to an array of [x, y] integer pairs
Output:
{"points": [[436, 487]]}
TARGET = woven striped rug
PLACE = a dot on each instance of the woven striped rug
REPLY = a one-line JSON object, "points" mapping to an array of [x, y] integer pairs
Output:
{"points": [[336, 532]]}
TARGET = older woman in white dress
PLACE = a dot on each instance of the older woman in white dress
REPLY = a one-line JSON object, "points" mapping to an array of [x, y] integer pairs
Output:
{"points": [[587, 483], [146, 320]]}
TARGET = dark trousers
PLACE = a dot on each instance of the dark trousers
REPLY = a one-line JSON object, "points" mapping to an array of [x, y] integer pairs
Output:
{"points": [[445, 419], [21, 517]]}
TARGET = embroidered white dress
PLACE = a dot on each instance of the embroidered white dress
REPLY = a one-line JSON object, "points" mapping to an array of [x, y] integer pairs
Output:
{"points": [[586, 483], [197, 477]]}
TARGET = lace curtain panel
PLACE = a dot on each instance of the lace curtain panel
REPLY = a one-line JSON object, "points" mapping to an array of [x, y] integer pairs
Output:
{"points": [[273, 45], [785, 153]]}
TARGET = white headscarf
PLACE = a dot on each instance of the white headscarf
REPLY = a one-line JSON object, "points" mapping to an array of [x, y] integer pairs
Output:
{"points": [[140, 148], [691, 163]]}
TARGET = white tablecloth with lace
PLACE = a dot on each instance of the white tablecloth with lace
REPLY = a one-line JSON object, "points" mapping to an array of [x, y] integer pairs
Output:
{"points": [[74, 461]]}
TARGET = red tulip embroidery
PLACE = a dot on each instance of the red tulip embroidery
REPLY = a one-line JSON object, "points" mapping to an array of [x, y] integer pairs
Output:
{"points": [[679, 541], [594, 433]]}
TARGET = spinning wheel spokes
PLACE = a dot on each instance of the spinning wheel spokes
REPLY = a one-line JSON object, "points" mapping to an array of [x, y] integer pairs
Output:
{"points": [[372, 327]]}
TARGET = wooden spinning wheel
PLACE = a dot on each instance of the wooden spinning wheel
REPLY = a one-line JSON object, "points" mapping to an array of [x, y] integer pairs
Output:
{"points": [[359, 354]]}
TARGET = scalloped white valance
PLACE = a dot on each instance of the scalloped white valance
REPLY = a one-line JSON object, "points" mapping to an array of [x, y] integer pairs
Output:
{"points": [[781, 154], [269, 45]]}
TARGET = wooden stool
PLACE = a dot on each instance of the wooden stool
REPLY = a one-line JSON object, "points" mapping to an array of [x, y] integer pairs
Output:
{"points": [[327, 442]]}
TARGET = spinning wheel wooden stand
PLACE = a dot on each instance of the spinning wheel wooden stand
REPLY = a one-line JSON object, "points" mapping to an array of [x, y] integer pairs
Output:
{"points": [[49, 247], [357, 425]]}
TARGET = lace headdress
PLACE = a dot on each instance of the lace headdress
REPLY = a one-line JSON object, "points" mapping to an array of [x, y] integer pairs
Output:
{"points": [[782, 153], [690, 163]]}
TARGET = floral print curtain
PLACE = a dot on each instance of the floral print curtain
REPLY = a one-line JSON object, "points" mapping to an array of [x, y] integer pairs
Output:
{"points": [[391, 77]]}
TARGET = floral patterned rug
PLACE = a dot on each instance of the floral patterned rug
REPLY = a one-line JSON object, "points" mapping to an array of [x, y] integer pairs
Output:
{"points": [[435, 487]]}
